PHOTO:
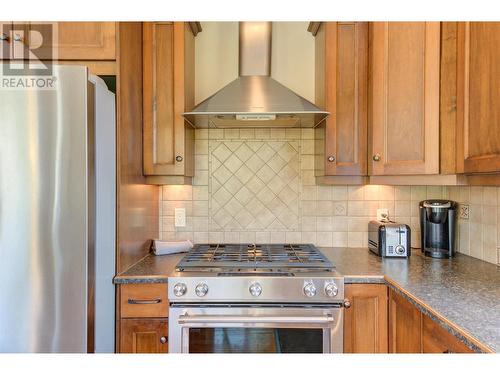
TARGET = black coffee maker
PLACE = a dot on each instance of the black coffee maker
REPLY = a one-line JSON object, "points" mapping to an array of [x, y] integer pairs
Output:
{"points": [[437, 227]]}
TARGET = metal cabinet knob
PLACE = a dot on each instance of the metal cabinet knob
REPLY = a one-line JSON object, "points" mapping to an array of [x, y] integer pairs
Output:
{"points": [[163, 340], [4, 37], [347, 303], [178, 158], [18, 38], [331, 158], [376, 157]]}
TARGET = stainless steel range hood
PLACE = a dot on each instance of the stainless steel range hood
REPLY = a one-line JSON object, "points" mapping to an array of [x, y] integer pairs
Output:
{"points": [[254, 99]]}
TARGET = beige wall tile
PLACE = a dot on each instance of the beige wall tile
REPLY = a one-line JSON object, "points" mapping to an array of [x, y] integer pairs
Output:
{"points": [[490, 196], [322, 215], [476, 195], [402, 193], [177, 192], [339, 239]]}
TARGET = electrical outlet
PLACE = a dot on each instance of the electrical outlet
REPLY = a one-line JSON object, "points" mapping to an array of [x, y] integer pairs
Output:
{"points": [[464, 211], [180, 217], [382, 214]]}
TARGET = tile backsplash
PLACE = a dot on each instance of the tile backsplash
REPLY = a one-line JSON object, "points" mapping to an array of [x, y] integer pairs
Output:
{"points": [[257, 185]]}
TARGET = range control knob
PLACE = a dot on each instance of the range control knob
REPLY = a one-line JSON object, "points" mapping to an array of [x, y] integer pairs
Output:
{"points": [[400, 249], [309, 289], [331, 289], [180, 289], [255, 289], [201, 289]]}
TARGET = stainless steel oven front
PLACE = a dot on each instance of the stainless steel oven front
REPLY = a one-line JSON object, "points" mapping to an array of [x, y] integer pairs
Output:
{"points": [[255, 328]]}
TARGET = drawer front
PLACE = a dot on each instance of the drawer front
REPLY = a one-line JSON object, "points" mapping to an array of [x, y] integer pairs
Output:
{"points": [[143, 301]]}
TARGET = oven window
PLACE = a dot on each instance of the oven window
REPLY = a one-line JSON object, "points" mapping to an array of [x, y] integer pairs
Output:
{"points": [[255, 340]]}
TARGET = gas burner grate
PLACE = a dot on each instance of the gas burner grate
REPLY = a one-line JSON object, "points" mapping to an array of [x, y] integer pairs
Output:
{"points": [[255, 256]]}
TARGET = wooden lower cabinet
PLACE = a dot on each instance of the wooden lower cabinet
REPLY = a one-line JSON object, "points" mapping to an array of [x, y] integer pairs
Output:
{"points": [[365, 322], [405, 325], [144, 335], [435, 339], [143, 318]]}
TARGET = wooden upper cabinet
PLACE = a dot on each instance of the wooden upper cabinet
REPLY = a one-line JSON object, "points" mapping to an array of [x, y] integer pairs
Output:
{"points": [[405, 325], [365, 323], [341, 89], [404, 98], [74, 40], [168, 90], [144, 336], [478, 97], [86, 41]]}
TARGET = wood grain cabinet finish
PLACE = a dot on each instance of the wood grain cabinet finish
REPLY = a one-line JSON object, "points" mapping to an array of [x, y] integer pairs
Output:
{"points": [[404, 98], [478, 96], [365, 322], [144, 336], [168, 90], [86, 41], [143, 300], [405, 325], [341, 89], [435, 339]]}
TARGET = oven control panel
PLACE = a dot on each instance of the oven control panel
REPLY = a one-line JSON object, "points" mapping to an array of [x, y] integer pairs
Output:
{"points": [[253, 289]]}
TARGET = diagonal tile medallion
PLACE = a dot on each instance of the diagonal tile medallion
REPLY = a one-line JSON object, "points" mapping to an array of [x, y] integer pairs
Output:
{"points": [[254, 185]]}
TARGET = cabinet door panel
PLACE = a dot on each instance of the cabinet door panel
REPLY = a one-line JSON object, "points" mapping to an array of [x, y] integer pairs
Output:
{"points": [[342, 81], [435, 339], [479, 79], [144, 336], [168, 76], [5, 41], [404, 97], [405, 325], [77, 41], [365, 323]]}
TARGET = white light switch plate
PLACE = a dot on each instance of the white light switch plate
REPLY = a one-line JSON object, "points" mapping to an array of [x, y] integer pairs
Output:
{"points": [[382, 213], [180, 217]]}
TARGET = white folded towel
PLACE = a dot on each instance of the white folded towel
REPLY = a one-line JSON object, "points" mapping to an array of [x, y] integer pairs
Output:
{"points": [[171, 247]]}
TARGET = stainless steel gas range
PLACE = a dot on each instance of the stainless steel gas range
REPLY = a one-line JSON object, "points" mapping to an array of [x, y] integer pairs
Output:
{"points": [[237, 298]]}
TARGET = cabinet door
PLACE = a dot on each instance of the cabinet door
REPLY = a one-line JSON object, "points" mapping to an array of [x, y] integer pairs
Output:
{"points": [[478, 96], [405, 325], [5, 40], [365, 323], [404, 98], [82, 41], [168, 68], [435, 339], [345, 88], [143, 336]]}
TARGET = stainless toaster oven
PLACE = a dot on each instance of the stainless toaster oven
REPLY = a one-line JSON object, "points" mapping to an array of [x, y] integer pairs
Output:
{"points": [[389, 239]]}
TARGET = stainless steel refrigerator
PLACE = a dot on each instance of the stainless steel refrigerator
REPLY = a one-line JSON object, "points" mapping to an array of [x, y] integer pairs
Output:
{"points": [[57, 215]]}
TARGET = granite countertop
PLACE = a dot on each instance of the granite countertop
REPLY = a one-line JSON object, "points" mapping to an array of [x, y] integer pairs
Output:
{"points": [[461, 294]]}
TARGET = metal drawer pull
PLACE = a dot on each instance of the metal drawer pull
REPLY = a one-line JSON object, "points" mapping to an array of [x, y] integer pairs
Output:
{"points": [[163, 339], [144, 301], [187, 319]]}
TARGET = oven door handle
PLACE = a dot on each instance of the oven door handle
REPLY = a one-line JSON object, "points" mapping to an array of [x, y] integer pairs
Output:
{"points": [[207, 319]]}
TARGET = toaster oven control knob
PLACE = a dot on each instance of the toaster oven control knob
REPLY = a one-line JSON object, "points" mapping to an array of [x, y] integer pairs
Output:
{"points": [[331, 289], [255, 289], [309, 289], [180, 289], [201, 289], [400, 249]]}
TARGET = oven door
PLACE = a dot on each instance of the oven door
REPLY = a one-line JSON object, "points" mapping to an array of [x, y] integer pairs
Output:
{"points": [[255, 329]]}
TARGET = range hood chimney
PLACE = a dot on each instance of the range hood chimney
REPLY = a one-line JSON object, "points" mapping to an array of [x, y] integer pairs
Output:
{"points": [[254, 99]]}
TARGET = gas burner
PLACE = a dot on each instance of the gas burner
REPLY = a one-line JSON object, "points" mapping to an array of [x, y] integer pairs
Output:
{"points": [[268, 258]]}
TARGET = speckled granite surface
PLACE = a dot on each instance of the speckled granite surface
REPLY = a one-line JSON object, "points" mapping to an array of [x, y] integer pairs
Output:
{"points": [[464, 290]]}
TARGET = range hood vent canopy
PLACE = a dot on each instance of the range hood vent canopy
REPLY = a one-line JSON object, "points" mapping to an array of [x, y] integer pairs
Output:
{"points": [[254, 99]]}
